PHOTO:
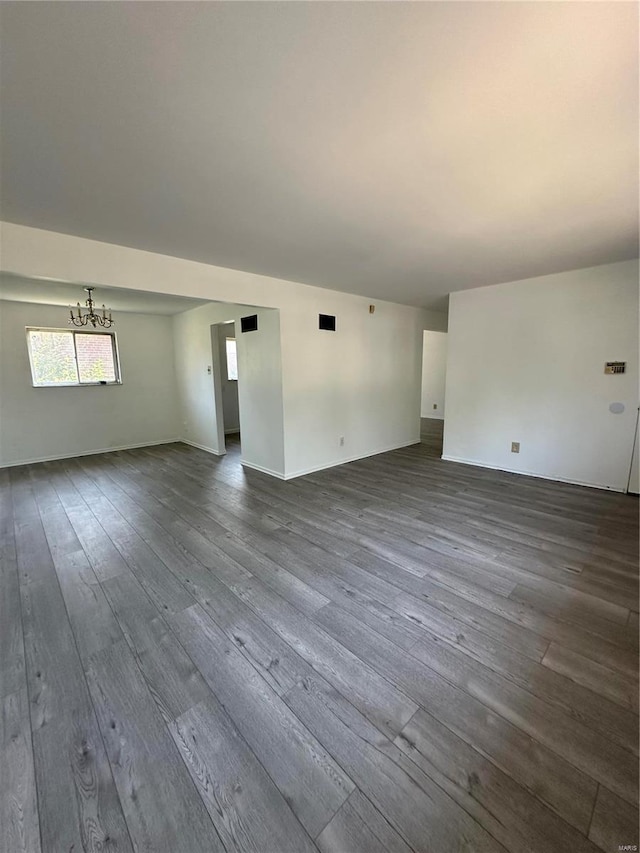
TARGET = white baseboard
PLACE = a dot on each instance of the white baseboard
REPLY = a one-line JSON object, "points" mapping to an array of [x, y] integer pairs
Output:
{"points": [[202, 447], [89, 452], [351, 459], [532, 474], [233, 431], [263, 470]]}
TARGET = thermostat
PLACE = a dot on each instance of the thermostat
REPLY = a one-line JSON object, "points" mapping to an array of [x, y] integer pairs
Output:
{"points": [[615, 366]]}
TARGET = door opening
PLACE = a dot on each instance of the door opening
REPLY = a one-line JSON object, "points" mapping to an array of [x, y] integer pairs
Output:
{"points": [[225, 379], [434, 368]]}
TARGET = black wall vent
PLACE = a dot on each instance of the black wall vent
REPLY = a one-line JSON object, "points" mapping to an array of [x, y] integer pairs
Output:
{"points": [[249, 324], [327, 322]]}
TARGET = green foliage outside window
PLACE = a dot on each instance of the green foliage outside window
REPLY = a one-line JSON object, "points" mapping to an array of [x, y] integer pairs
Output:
{"points": [[61, 357]]}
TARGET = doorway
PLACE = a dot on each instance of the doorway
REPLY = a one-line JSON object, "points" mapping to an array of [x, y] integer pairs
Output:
{"points": [[225, 366], [432, 410]]}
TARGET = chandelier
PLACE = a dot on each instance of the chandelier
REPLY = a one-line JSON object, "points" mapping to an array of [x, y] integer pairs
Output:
{"points": [[90, 316]]}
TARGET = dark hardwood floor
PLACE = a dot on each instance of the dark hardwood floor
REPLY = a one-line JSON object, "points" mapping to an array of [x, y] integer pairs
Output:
{"points": [[400, 654]]}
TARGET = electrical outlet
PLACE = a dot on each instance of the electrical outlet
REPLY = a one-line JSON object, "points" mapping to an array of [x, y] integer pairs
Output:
{"points": [[515, 447], [341, 441], [435, 405]]}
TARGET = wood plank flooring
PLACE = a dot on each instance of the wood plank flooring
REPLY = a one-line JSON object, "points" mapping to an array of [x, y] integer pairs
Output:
{"points": [[401, 654]]}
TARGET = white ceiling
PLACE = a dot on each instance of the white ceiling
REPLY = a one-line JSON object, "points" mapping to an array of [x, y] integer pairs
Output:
{"points": [[400, 150], [14, 288]]}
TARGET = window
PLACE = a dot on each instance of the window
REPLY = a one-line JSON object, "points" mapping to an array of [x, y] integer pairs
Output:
{"points": [[62, 357], [232, 359]]}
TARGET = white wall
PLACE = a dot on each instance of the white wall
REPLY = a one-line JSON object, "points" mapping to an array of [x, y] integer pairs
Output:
{"points": [[45, 423], [361, 382], [526, 362], [260, 393], [436, 321], [434, 372], [259, 388]]}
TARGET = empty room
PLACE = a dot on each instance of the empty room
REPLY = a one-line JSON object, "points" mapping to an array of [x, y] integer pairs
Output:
{"points": [[319, 400]]}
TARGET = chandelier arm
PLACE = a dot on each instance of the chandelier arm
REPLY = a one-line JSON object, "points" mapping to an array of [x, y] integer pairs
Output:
{"points": [[91, 315]]}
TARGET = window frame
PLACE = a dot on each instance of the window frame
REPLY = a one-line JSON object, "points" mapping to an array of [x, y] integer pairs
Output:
{"points": [[74, 332]]}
